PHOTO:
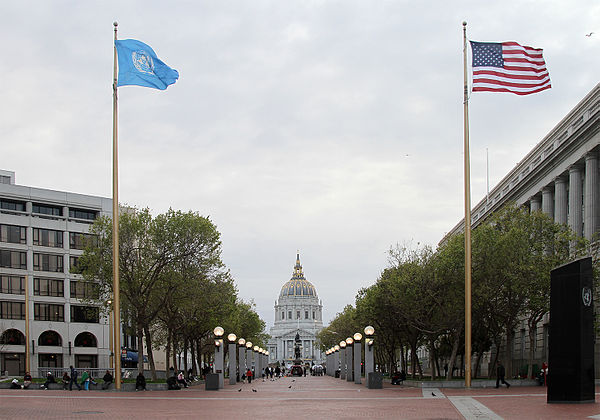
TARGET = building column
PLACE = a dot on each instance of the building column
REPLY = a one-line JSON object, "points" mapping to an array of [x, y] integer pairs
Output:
{"points": [[535, 203], [548, 201], [591, 195], [575, 200], [349, 366], [560, 200]]}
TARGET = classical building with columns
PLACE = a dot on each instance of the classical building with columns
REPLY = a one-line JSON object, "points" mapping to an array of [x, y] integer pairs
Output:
{"points": [[298, 310], [560, 177]]}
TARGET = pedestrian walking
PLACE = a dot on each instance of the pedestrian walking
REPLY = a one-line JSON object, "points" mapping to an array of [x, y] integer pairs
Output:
{"points": [[73, 379], [500, 373], [249, 376]]}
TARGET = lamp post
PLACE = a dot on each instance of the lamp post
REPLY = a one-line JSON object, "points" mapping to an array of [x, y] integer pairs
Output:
{"points": [[349, 367], [336, 359], [242, 357], [256, 363], [369, 356], [232, 353], [249, 355], [219, 357], [343, 360], [357, 358]]}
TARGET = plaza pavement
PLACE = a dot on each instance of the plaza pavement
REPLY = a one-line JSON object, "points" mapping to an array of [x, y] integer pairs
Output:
{"points": [[292, 398]]}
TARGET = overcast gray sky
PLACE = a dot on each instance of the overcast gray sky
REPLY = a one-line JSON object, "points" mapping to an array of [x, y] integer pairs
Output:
{"points": [[332, 127]]}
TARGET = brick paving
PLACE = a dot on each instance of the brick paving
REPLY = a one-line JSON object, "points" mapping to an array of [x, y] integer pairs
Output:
{"points": [[291, 398]]}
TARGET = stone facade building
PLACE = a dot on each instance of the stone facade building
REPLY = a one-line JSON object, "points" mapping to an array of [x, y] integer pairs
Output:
{"points": [[560, 177], [298, 310]]}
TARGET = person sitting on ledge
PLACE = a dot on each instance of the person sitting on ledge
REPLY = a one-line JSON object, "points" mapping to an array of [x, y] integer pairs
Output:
{"points": [[140, 382], [49, 380], [108, 378]]}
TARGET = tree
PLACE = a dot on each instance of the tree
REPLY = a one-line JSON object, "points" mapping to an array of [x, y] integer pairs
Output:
{"points": [[148, 247]]}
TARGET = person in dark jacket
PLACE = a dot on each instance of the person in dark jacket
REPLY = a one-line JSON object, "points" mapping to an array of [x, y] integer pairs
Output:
{"points": [[140, 382], [26, 380], [66, 379], [107, 378], [172, 383], [500, 373], [49, 380], [73, 379]]}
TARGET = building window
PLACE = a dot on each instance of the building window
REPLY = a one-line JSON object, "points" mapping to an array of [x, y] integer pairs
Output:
{"points": [[4, 179], [12, 205], [48, 262], [282, 314], [297, 314], [50, 360], [12, 310], [86, 339], [13, 285], [84, 290], [47, 237], [50, 338], [13, 337], [13, 234], [83, 214], [13, 259], [88, 314], [80, 240], [289, 314], [48, 312], [305, 314], [45, 209], [314, 315], [48, 287]]}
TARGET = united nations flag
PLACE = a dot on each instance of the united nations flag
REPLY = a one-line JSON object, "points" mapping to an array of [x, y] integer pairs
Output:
{"points": [[139, 65]]}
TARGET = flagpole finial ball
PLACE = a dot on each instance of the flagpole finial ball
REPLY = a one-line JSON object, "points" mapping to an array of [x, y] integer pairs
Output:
{"points": [[115, 24], [464, 23]]}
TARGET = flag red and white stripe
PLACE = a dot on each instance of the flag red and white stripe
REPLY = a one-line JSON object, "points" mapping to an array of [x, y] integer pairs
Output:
{"points": [[508, 67]]}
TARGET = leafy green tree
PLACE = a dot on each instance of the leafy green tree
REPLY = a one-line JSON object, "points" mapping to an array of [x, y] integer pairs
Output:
{"points": [[148, 247]]}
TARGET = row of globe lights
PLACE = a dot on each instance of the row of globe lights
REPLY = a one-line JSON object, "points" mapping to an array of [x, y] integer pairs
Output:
{"points": [[369, 333], [219, 331]]}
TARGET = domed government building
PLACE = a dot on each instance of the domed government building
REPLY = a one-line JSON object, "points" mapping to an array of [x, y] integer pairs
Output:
{"points": [[297, 311]]}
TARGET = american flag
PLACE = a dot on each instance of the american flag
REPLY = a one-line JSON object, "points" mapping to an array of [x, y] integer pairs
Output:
{"points": [[508, 67]]}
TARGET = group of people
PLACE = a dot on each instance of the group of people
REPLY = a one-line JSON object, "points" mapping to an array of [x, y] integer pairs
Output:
{"points": [[68, 380]]}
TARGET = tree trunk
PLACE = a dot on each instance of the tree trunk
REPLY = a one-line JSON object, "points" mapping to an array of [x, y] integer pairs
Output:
{"points": [[453, 356], [193, 351], [532, 335], [168, 352], [150, 354], [174, 342], [510, 340], [140, 347], [185, 354]]}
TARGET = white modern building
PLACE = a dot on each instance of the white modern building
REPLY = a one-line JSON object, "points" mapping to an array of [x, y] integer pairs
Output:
{"points": [[42, 233], [297, 311]]}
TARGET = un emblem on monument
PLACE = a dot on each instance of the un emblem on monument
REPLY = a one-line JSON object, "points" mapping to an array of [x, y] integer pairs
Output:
{"points": [[586, 296], [142, 61]]}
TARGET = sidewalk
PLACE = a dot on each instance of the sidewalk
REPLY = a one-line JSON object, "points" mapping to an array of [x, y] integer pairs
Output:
{"points": [[293, 398]]}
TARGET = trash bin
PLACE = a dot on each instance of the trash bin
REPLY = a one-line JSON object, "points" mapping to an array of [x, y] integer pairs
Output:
{"points": [[212, 382], [337, 373], [375, 380]]}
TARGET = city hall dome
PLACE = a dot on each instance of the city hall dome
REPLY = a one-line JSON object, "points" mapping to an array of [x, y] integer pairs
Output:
{"points": [[298, 285]]}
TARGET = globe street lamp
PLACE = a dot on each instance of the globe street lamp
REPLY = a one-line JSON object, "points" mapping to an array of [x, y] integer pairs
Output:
{"points": [[241, 357], [349, 367], [357, 358], [343, 369], [249, 355], [219, 359], [232, 354], [369, 355]]}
